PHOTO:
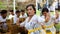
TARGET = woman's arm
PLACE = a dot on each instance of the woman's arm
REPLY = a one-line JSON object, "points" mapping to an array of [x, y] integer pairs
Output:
{"points": [[47, 18], [21, 24]]}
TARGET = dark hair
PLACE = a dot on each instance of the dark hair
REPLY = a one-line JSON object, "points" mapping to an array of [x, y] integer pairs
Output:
{"points": [[56, 9], [17, 11], [32, 7], [11, 10], [22, 10], [45, 10], [3, 11]]}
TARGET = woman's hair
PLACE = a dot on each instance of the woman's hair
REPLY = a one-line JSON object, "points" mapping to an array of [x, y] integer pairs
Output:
{"points": [[45, 10], [32, 7], [3, 12]]}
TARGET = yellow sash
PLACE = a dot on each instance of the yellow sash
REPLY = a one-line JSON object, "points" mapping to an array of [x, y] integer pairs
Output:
{"points": [[50, 26], [33, 30]]}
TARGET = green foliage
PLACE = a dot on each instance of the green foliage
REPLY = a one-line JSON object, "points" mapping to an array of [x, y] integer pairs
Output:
{"points": [[57, 26], [1, 3]]}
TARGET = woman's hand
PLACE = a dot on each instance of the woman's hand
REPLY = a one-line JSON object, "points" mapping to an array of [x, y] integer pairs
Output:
{"points": [[47, 18]]}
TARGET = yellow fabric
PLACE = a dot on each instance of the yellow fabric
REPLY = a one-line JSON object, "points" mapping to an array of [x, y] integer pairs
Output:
{"points": [[33, 30], [50, 32], [50, 26]]}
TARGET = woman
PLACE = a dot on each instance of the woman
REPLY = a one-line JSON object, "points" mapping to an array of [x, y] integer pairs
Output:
{"points": [[31, 22], [57, 16], [48, 21], [11, 15], [23, 14], [57, 21]]}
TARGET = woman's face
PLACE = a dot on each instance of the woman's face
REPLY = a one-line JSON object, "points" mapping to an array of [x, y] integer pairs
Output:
{"points": [[30, 11], [45, 13]]}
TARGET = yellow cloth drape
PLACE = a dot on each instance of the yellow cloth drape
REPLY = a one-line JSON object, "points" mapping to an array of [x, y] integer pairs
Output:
{"points": [[33, 30], [50, 27]]}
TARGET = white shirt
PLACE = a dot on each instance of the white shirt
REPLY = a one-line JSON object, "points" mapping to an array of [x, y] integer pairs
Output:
{"points": [[34, 19], [51, 21], [11, 16], [23, 16], [57, 20], [41, 20], [2, 20], [15, 19], [53, 6], [33, 23], [4, 25]]}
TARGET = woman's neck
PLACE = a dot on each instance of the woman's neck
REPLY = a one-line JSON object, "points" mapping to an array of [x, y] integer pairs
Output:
{"points": [[30, 17]]}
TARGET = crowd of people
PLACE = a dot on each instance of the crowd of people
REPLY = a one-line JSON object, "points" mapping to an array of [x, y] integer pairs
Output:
{"points": [[32, 23]]}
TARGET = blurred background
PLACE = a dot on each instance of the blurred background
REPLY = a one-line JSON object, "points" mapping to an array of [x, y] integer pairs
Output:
{"points": [[50, 4], [6, 4], [21, 4]]}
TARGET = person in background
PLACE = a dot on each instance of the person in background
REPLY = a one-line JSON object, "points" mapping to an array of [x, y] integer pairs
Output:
{"points": [[11, 14], [3, 25], [0, 13], [23, 14], [16, 16], [57, 16], [47, 21], [53, 5], [57, 21]]}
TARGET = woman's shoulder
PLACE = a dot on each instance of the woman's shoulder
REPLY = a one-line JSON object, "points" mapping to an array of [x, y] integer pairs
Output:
{"points": [[35, 17]]}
